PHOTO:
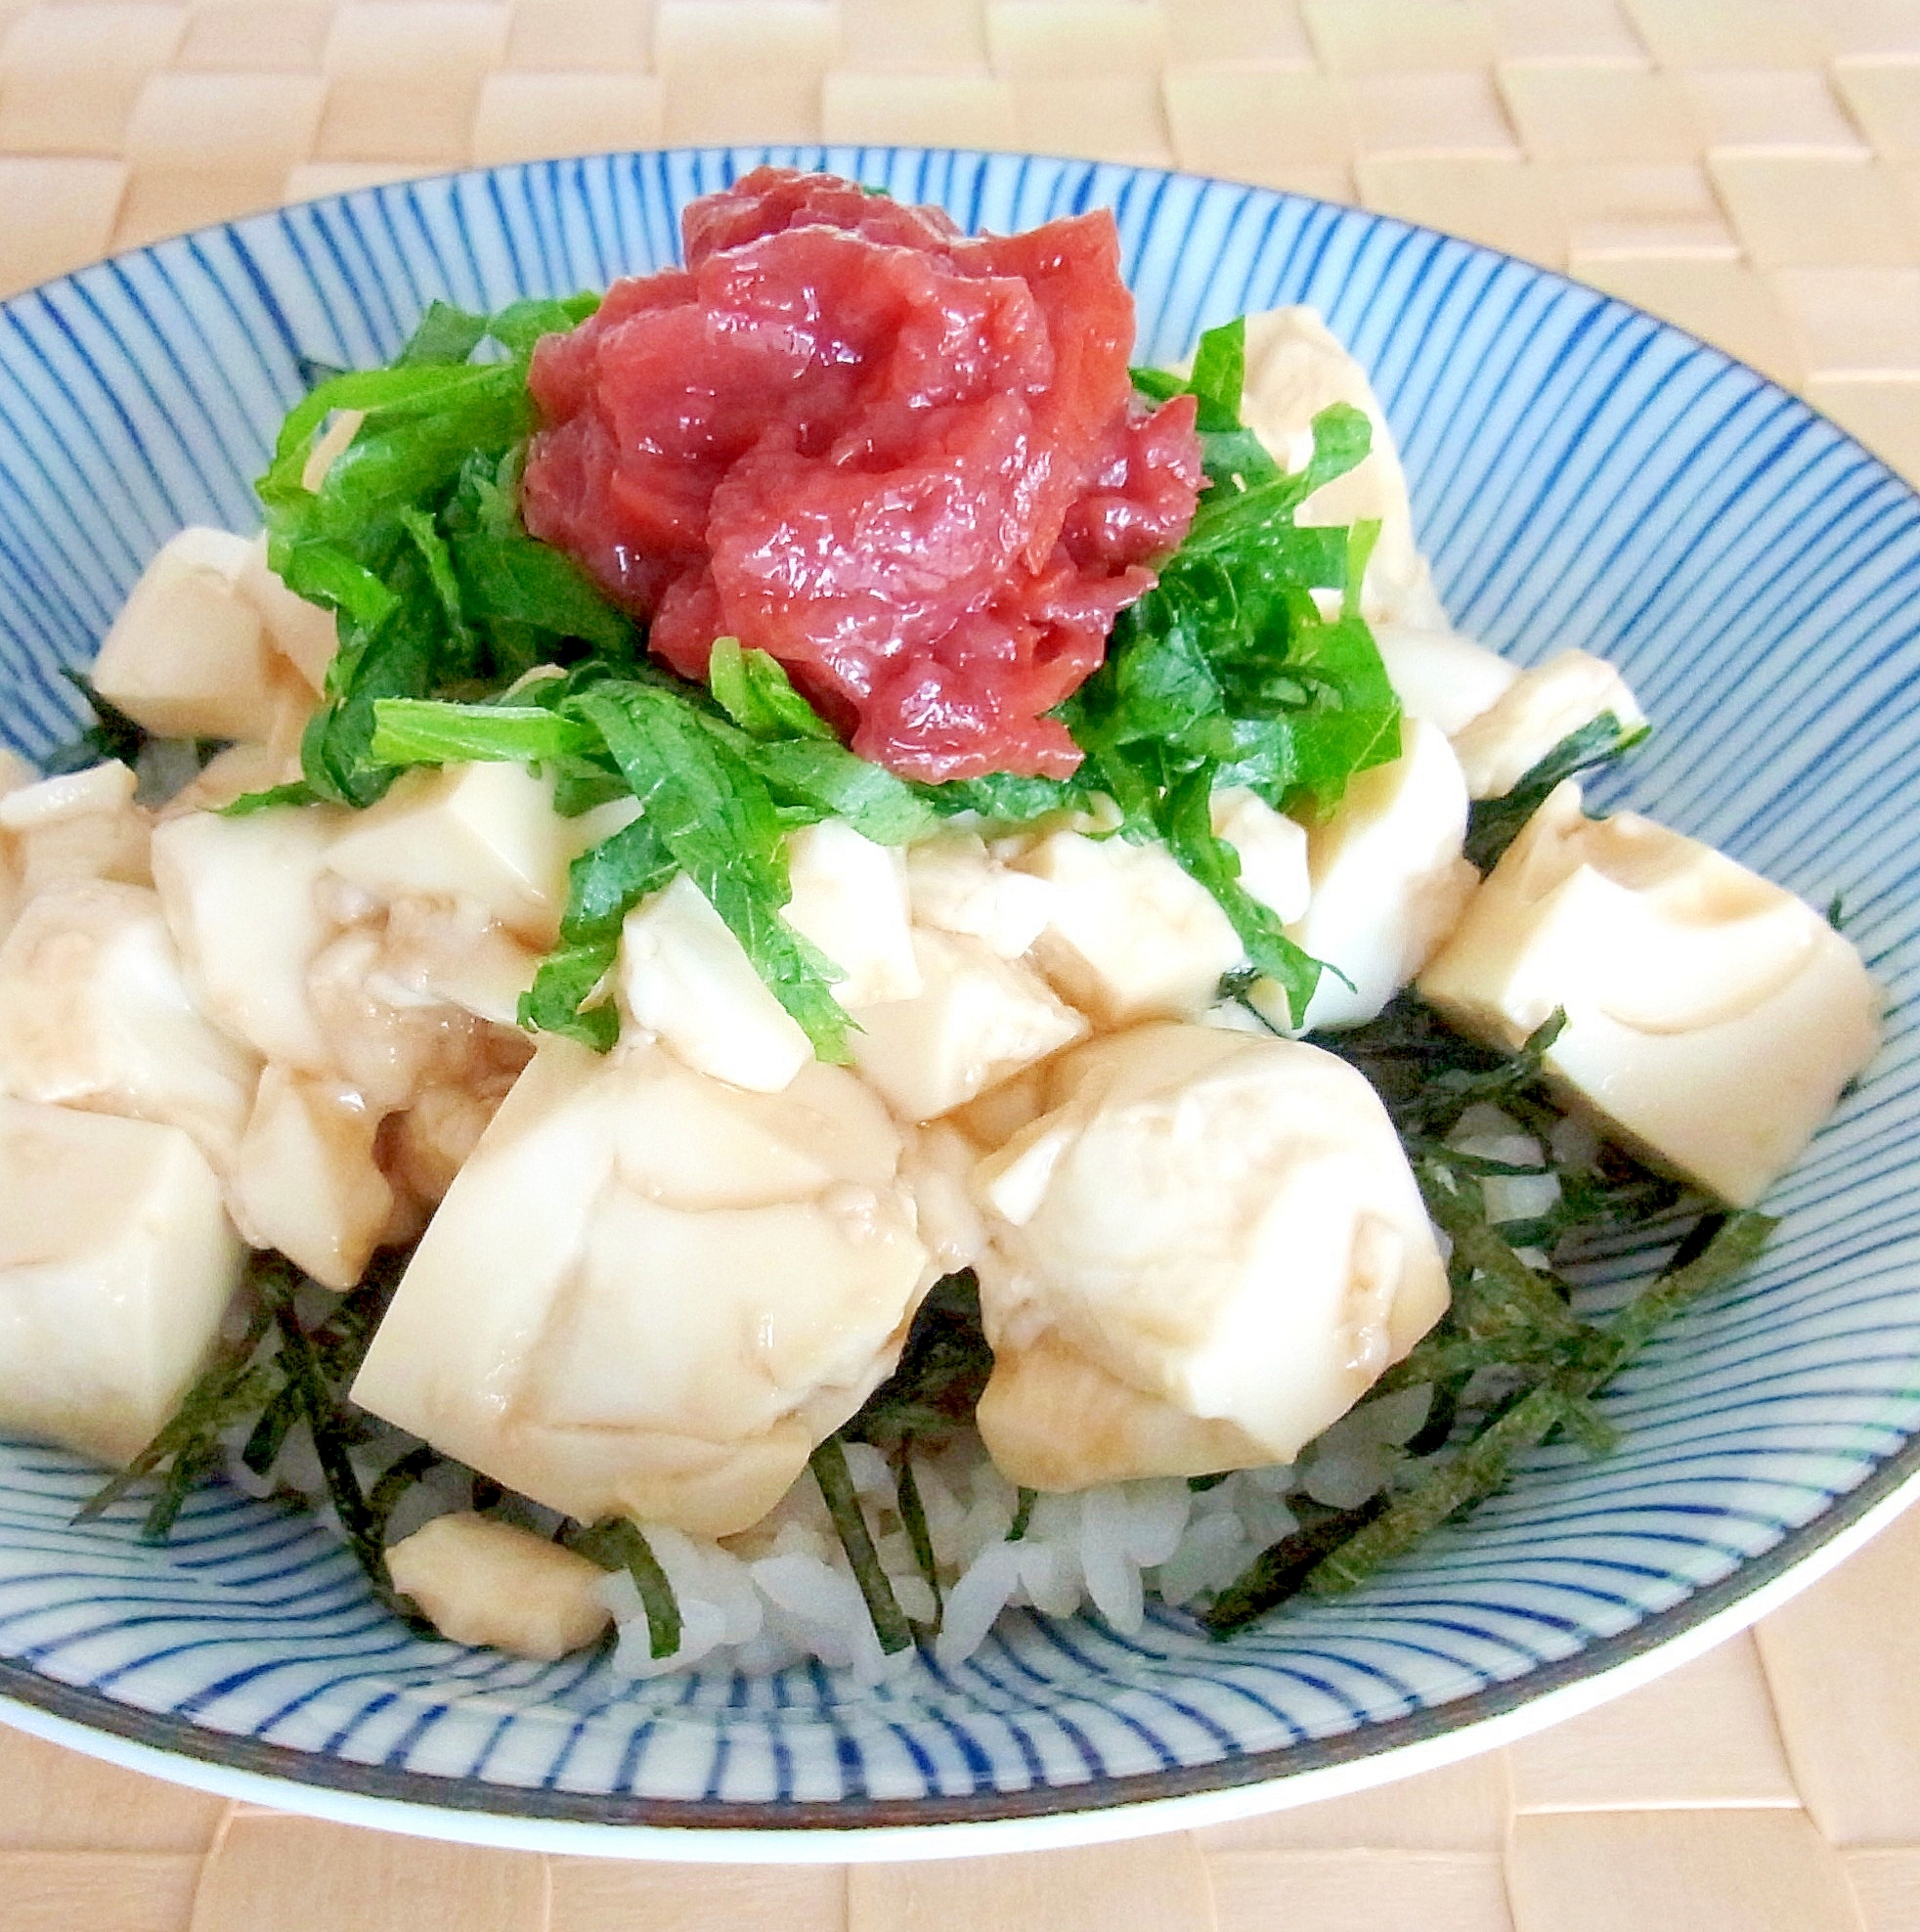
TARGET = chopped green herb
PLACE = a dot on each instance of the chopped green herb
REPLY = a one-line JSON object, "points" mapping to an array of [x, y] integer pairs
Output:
{"points": [[274, 797]]}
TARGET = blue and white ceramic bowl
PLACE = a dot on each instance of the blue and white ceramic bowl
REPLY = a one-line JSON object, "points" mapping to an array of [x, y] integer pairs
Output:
{"points": [[1582, 475]]}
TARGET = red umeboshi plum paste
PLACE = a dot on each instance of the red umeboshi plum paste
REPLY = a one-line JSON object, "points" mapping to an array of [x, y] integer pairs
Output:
{"points": [[907, 463]]}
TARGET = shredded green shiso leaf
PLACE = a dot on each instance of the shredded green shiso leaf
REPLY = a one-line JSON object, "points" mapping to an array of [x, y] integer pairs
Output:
{"points": [[1225, 674]]}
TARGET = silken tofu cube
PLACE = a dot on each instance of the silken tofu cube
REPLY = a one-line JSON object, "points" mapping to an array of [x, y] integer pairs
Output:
{"points": [[487, 833], [306, 1181], [1503, 743], [1388, 881], [1130, 935], [81, 826], [95, 1013], [650, 1292], [303, 633], [978, 1020], [955, 885], [242, 898], [189, 656], [1712, 1018], [117, 1261], [686, 980], [481, 1581], [849, 898]]}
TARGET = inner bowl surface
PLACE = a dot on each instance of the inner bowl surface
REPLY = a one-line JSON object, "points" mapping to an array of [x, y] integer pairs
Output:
{"points": [[1581, 476]]}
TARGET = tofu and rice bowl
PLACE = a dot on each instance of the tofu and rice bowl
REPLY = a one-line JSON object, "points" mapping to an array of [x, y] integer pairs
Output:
{"points": [[793, 960]]}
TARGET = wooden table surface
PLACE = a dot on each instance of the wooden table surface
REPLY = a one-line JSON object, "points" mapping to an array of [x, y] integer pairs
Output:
{"points": [[1749, 169]]}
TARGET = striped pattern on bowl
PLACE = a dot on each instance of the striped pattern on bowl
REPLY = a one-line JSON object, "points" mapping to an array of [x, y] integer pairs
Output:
{"points": [[1582, 475]]}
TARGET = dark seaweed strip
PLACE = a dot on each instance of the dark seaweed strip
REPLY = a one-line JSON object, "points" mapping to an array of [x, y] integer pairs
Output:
{"points": [[1023, 1515], [913, 1517], [399, 1476], [830, 1471], [618, 1544], [208, 1406], [1279, 1570], [1723, 1246]]}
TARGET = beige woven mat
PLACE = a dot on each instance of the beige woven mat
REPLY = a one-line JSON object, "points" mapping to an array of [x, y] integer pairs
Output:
{"points": [[1749, 168]]}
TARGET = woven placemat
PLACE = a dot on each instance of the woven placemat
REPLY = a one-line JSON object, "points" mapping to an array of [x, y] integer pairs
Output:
{"points": [[1748, 168]]}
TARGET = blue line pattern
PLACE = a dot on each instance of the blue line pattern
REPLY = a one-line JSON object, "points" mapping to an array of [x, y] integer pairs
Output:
{"points": [[1582, 475]]}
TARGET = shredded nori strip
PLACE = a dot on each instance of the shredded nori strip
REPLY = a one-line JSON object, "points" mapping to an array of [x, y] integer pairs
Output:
{"points": [[1279, 1570], [224, 1391], [113, 735], [1494, 823], [270, 1432], [1023, 1515], [889, 1622], [943, 1370], [913, 1518], [1722, 1247], [399, 1476], [1505, 1315], [320, 1409], [618, 1544]]}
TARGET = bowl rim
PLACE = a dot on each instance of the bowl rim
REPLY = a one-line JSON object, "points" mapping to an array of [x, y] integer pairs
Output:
{"points": [[466, 1809], [470, 1810]]}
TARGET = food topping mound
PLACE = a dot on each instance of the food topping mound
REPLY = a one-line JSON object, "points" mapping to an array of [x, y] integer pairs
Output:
{"points": [[907, 463]]}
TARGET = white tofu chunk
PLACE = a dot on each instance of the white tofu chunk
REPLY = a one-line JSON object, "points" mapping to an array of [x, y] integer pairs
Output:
{"points": [[483, 832], [1542, 706], [478, 1581], [253, 764], [116, 1260], [1295, 369], [686, 979], [978, 1020], [95, 1013], [16, 775], [243, 899], [1129, 934], [1712, 1018], [81, 826], [1206, 1252], [955, 885], [433, 1139], [1272, 849], [649, 1292], [306, 1181], [447, 952], [1441, 677], [303, 633], [388, 1041], [1388, 880], [188, 656], [939, 1165], [849, 898]]}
